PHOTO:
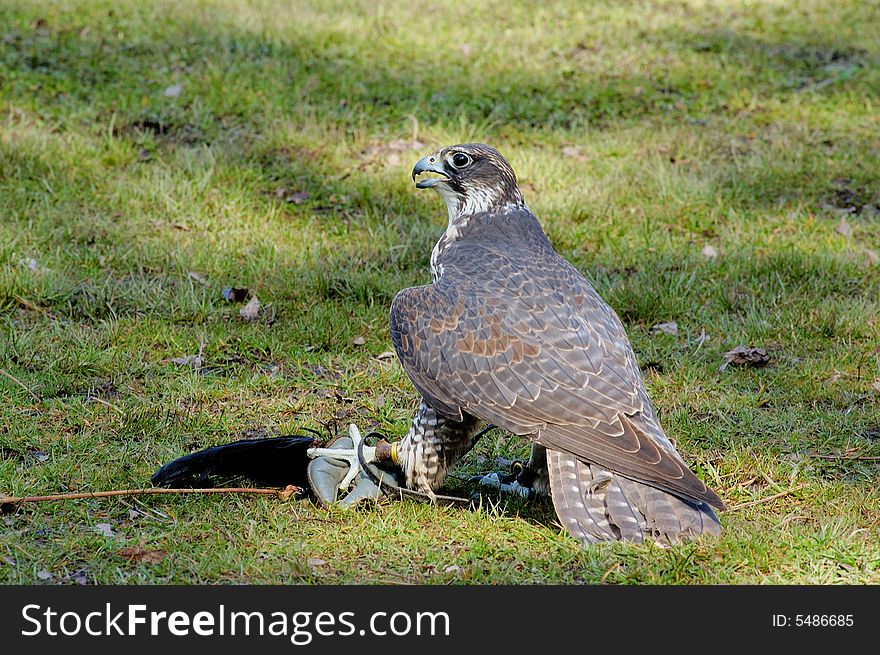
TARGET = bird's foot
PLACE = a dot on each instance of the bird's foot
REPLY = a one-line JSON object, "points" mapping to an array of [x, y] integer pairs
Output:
{"points": [[516, 482], [348, 463]]}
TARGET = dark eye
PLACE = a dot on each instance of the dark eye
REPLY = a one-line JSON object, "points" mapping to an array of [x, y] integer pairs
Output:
{"points": [[460, 160]]}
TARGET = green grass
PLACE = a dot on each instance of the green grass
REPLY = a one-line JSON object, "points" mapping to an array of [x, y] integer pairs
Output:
{"points": [[641, 132]]}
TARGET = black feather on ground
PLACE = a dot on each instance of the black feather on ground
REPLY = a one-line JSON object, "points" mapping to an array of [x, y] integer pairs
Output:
{"points": [[277, 461]]}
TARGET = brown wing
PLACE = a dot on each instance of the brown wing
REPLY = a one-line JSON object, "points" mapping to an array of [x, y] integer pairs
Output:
{"points": [[526, 343]]}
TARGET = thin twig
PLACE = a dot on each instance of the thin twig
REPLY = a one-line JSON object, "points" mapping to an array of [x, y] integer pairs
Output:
{"points": [[28, 304], [399, 576], [283, 494], [20, 383], [867, 458], [765, 500], [843, 75], [104, 402]]}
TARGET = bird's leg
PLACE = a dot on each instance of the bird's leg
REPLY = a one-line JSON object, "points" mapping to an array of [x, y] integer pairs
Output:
{"points": [[525, 480], [424, 456], [432, 446]]}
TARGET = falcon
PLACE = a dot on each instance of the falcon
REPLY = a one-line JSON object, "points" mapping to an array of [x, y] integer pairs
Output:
{"points": [[510, 333]]}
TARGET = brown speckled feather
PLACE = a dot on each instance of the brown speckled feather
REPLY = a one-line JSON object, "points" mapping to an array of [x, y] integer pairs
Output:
{"points": [[511, 333]]}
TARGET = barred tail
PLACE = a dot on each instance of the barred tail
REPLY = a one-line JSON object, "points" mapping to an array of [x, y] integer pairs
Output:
{"points": [[595, 504]]}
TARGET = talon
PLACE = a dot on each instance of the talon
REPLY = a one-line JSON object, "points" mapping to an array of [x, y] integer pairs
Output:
{"points": [[490, 480], [517, 489], [496, 482]]}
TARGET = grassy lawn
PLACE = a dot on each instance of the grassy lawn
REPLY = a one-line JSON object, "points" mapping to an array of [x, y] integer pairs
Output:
{"points": [[716, 164]]}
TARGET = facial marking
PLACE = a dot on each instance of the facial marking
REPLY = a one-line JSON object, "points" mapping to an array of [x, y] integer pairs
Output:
{"points": [[475, 178]]}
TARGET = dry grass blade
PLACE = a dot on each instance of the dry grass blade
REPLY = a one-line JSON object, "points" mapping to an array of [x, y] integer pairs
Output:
{"points": [[9, 375]]}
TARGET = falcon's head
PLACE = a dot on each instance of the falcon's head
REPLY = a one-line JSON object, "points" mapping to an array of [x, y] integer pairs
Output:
{"points": [[473, 178]]}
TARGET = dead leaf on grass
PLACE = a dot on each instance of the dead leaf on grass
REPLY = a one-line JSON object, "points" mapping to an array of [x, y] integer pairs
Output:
{"points": [[43, 574], [193, 361], [251, 311], [298, 198], [195, 276], [745, 356], [709, 252], [358, 341], [844, 227], [173, 91], [105, 529], [574, 152], [388, 354], [670, 328], [140, 554]]}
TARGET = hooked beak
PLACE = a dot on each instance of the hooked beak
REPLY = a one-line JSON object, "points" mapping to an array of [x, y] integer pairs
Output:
{"points": [[429, 164]]}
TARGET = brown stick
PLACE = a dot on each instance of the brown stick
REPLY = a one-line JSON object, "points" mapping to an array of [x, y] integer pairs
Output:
{"points": [[864, 458], [765, 500], [283, 494]]}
